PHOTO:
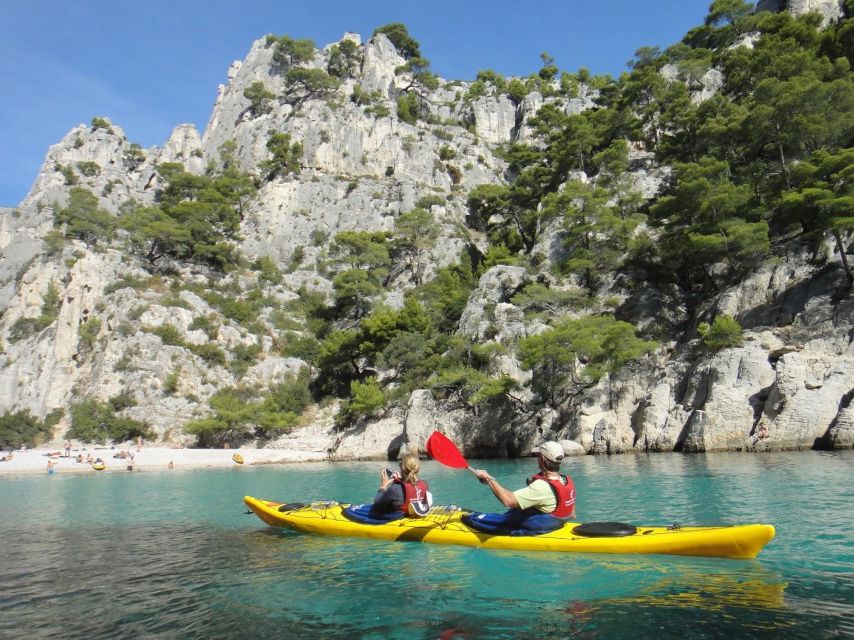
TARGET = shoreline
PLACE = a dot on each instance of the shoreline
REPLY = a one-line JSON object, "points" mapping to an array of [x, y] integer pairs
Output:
{"points": [[148, 458]]}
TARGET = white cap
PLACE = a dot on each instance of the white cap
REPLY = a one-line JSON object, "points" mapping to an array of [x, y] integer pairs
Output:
{"points": [[550, 451]]}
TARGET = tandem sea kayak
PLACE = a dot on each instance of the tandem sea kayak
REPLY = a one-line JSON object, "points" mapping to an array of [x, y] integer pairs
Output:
{"points": [[443, 525]]}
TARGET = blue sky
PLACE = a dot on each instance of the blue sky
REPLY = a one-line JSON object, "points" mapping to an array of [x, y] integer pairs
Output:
{"points": [[150, 65]]}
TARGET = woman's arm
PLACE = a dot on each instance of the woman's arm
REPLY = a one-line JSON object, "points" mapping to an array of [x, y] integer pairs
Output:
{"points": [[391, 497]]}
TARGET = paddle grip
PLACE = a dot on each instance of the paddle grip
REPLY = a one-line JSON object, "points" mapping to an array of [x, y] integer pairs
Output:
{"points": [[480, 480]]}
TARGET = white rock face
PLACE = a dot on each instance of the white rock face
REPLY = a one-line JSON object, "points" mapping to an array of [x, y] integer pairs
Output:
{"points": [[495, 118], [830, 10], [480, 317], [273, 370]]}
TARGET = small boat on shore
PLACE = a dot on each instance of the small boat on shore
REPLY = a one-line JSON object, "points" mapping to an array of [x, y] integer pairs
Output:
{"points": [[444, 525]]}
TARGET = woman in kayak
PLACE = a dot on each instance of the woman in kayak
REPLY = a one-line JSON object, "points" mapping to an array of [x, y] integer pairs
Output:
{"points": [[544, 505], [403, 491]]}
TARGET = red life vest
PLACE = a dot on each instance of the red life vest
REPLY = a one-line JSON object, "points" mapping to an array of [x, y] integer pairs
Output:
{"points": [[564, 494], [413, 494]]}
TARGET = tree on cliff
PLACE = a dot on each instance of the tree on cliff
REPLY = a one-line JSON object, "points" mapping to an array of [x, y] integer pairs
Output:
{"points": [[823, 199], [595, 235], [344, 58], [399, 36], [287, 51], [285, 156], [415, 235], [197, 217], [84, 219], [575, 354], [260, 98]]}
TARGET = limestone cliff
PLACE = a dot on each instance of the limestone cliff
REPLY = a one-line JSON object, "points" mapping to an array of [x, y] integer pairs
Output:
{"points": [[789, 386]]}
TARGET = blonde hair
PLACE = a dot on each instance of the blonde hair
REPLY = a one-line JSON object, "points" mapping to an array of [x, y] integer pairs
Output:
{"points": [[410, 466]]}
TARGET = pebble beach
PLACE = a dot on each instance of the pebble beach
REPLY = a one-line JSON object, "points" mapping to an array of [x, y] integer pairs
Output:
{"points": [[153, 458]]}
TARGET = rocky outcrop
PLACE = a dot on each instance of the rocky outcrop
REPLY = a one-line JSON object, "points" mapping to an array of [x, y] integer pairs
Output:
{"points": [[830, 10], [482, 318]]}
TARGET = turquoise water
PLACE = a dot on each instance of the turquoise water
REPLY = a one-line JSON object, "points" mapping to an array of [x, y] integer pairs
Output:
{"points": [[171, 554]]}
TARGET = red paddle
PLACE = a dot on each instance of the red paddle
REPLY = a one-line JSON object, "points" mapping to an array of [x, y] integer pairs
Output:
{"points": [[441, 449]]}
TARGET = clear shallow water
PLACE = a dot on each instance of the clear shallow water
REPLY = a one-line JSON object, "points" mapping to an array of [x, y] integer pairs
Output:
{"points": [[171, 554]]}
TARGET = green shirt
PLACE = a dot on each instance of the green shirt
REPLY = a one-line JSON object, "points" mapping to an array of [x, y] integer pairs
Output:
{"points": [[537, 494]]}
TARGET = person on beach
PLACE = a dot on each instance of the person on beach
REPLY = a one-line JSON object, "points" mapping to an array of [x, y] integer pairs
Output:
{"points": [[544, 505], [68, 448], [139, 443], [7, 458], [79, 459], [403, 490], [50, 465]]}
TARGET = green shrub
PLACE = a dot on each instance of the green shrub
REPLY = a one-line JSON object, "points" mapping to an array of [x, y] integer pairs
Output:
{"points": [[296, 258], [426, 202], [238, 415], [268, 271], [296, 345], [170, 385], [366, 398], [22, 428], [238, 310], [724, 332], [23, 328], [168, 334], [208, 352], [88, 332], [206, 324], [98, 422], [378, 110], [319, 237], [88, 168], [101, 123], [292, 395], [447, 153], [455, 174], [407, 108], [126, 282], [243, 357], [54, 242], [68, 174]]}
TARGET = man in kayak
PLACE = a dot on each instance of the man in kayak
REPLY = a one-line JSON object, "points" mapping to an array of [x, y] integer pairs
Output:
{"points": [[544, 505]]}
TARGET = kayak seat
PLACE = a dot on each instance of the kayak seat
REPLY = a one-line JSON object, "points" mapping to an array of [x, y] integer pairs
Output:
{"points": [[292, 506], [605, 530], [366, 514], [526, 522]]}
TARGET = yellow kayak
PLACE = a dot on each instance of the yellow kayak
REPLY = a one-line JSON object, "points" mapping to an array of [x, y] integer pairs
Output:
{"points": [[442, 525]]}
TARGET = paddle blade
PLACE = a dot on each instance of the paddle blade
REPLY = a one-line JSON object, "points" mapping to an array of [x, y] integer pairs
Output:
{"points": [[444, 451]]}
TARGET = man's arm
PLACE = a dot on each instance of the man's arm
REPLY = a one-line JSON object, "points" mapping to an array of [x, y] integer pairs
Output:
{"points": [[504, 496]]}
